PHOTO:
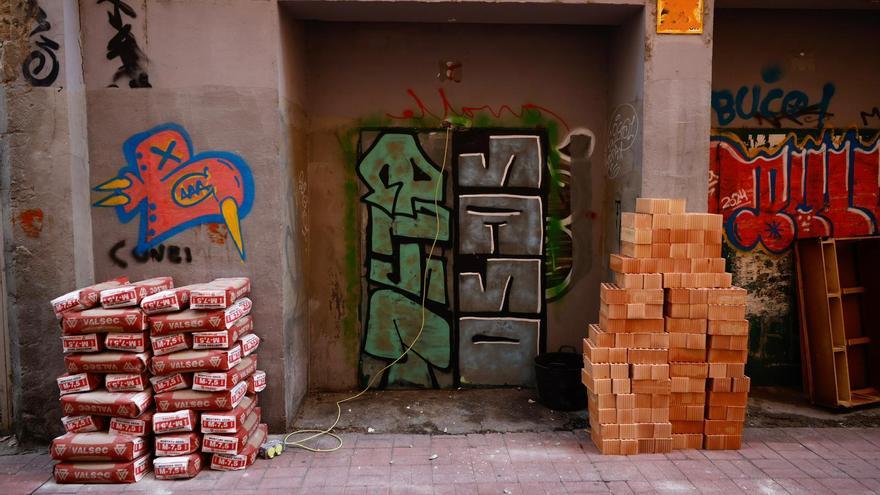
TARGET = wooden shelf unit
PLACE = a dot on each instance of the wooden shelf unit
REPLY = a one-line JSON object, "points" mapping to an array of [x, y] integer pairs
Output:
{"points": [[839, 299]]}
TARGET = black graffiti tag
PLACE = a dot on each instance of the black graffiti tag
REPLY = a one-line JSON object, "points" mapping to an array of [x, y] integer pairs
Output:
{"points": [[41, 65], [123, 46], [173, 254]]}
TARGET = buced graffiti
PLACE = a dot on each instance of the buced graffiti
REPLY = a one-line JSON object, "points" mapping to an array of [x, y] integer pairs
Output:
{"points": [[124, 46], [497, 305], [171, 188], [773, 188], [774, 106], [41, 66]]}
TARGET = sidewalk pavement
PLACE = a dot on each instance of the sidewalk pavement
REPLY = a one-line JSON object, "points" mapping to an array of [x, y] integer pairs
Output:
{"points": [[772, 460]]}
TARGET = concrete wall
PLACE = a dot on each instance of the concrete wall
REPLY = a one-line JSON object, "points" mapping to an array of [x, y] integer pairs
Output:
{"points": [[227, 92], [820, 63], [43, 193], [359, 74]]}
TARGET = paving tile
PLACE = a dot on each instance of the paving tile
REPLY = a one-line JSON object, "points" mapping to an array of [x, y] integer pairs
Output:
{"points": [[581, 487], [619, 471], [764, 486], [779, 468], [698, 470]]}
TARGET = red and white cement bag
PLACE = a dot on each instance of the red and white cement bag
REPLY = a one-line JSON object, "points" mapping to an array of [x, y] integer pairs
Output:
{"points": [[80, 382], [223, 339], [107, 362], [201, 401], [199, 321], [177, 467], [84, 298], [249, 344], [184, 361], [166, 301], [89, 342], [256, 382], [100, 320], [126, 342], [124, 404], [227, 462], [174, 444], [175, 421], [224, 380], [170, 383], [140, 426], [126, 382], [83, 424], [102, 472], [216, 443], [219, 293], [131, 294], [228, 421], [166, 344], [98, 446]]}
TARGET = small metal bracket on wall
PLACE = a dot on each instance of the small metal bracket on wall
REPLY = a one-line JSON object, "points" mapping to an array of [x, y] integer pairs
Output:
{"points": [[449, 70]]}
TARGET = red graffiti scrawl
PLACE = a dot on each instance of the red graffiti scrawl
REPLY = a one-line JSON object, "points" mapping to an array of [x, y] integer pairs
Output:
{"points": [[814, 187], [172, 189]]}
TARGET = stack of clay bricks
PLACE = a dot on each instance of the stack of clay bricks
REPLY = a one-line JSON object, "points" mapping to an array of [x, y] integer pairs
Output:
{"points": [[626, 370], [105, 394], [671, 298], [205, 378]]}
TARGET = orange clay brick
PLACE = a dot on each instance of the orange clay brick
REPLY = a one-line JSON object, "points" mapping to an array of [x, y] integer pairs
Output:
{"points": [[635, 220], [730, 295], [653, 205], [687, 296], [685, 325], [684, 385], [636, 250], [619, 370], [689, 311], [726, 312], [624, 264], [654, 387], [635, 236], [660, 250], [712, 237], [661, 221], [726, 370], [597, 370], [686, 413], [600, 338], [727, 398], [688, 399], [727, 356], [712, 250], [629, 447], [731, 342], [630, 326], [689, 370], [682, 441], [723, 427], [687, 426], [677, 205], [660, 236], [647, 356], [612, 294], [649, 340], [707, 265], [723, 442], [727, 327]]}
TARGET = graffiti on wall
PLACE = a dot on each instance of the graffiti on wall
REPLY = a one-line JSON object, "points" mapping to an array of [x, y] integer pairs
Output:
{"points": [[622, 132], [124, 46], [775, 187], [406, 203], [41, 66], [679, 16], [496, 213], [500, 198], [571, 145], [769, 104], [169, 188], [171, 253]]}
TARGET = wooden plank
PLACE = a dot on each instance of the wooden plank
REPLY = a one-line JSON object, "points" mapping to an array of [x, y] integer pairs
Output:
{"points": [[858, 341], [852, 290], [806, 371], [816, 323]]}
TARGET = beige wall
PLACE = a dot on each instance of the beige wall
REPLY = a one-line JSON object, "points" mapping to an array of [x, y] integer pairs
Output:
{"points": [[358, 73]]}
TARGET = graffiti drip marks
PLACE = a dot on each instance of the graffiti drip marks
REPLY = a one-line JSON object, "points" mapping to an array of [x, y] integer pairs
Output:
{"points": [[41, 66], [124, 46], [171, 188], [774, 106], [775, 188]]}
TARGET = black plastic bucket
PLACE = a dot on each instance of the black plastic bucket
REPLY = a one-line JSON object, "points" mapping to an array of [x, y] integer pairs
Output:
{"points": [[558, 376]]}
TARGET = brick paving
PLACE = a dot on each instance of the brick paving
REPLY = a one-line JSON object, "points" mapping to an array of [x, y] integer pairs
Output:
{"points": [[772, 460]]}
